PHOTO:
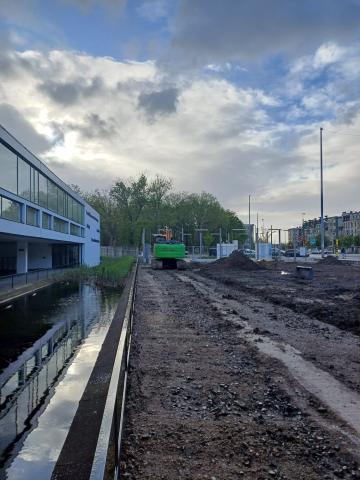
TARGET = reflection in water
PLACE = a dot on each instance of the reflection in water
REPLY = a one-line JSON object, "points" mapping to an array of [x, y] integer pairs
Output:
{"points": [[26, 319], [40, 391]]}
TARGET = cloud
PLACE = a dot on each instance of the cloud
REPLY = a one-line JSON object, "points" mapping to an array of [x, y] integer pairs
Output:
{"points": [[205, 132], [159, 102], [153, 10], [67, 93], [208, 31], [18, 126]]}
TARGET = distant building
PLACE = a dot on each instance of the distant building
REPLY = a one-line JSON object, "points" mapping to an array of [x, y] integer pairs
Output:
{"points": [[350, 223], [43, 222], [336, 227]]}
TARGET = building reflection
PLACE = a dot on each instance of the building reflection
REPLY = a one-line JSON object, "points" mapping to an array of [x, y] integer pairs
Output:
{"points": [[27, 384]]}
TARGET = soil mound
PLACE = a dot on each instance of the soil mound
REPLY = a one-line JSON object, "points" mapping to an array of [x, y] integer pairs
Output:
{"points": [[235, 261], [330, 261]]}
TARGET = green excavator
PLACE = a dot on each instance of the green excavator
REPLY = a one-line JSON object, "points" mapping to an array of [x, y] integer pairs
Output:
{"points": [[167, 253]]}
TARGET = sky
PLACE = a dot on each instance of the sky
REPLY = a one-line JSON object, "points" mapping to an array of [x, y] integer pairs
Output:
{"points": [[223, 96]]}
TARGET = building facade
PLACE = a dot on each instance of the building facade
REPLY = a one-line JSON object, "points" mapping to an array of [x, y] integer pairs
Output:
{"points": [[350, 223], [43, 222], [336, 227]]}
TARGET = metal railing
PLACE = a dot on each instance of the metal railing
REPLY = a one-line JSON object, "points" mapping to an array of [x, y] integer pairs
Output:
{"points": [[107, 453], [10, 282]]}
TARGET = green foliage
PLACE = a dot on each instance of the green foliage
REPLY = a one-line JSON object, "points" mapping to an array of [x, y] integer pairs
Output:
{"points": [[135, 204], [318, 240], [110, 271], [350, 241], [208, 240]]}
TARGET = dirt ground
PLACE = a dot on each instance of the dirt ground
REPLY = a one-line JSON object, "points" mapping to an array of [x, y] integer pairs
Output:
{"points": [[231, 378]]}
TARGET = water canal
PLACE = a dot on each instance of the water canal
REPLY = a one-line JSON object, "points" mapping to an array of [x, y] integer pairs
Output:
{"points": [[49, 343]]}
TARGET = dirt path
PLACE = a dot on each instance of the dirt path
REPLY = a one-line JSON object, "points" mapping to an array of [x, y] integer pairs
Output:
{"points": [[206, 403]]}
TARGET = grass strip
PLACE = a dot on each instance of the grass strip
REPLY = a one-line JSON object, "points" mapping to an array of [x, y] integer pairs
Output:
{"points": [[111, 271]]}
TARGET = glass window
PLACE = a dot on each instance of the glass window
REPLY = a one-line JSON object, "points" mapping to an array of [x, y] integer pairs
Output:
{"points": [[52, 196], [46, 221], [75, 230], [61, 202], [32, 216], [34, 185], [10, 210], [67, 205], [8, 169], [71, 205], [23, 179], [60, 225], [76, 211], [43, 191]]}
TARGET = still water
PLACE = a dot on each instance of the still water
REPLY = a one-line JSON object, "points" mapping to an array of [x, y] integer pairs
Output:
{"points": [[55, 336]]}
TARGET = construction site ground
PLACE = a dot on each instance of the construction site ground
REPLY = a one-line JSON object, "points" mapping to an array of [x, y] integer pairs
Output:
{"points": [[245, 372]]}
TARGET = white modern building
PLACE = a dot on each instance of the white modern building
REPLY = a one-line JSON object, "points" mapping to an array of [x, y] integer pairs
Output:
{"points": [[43, 222]]}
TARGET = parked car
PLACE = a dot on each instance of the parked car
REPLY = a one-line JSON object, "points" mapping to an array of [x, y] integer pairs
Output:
{"points": [[317, 251], [249, 252], [290, 253]]}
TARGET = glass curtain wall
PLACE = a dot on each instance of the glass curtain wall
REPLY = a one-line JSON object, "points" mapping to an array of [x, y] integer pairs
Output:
{"points": [[20, 178], [32, 216], [10, 210], [8, 170]]}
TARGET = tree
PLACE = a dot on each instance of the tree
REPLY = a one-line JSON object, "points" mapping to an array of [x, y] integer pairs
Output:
{"points": [[134, 204], [111, 228], [131, 198], [208, 240], [318, 240], [156, 211]]}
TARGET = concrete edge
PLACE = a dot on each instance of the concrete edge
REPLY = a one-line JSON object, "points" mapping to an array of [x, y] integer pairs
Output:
{"points": [[77, 454]]}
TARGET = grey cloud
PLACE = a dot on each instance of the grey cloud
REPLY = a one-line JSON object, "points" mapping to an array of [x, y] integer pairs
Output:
{"points": [[349, 112], [67, 93], [234, 172], [96, 127], [18, 126], [92, 126], [87, 177], [160, 102], [213, 30]]}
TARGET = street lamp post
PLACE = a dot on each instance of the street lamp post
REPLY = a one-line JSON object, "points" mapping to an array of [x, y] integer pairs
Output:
{"points": [[322, 226], [303, 228]]}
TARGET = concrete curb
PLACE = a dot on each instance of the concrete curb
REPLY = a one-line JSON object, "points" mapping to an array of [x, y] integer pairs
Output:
{"points": [[76, 457]]}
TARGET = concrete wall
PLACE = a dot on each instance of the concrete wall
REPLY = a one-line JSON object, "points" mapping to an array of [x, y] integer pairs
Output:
{"points": [[91, 252], [40, 255]]}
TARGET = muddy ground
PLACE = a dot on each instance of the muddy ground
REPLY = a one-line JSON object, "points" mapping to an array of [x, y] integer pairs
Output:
{"points": [[333, 296], [226, 383]]}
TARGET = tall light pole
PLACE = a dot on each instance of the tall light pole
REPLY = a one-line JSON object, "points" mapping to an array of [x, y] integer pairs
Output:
{"points": [[249, 222], [303, 228], [322, 226]]}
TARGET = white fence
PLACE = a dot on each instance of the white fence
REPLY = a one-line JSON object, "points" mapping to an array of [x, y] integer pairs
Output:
{"points": [[122, 251]]}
